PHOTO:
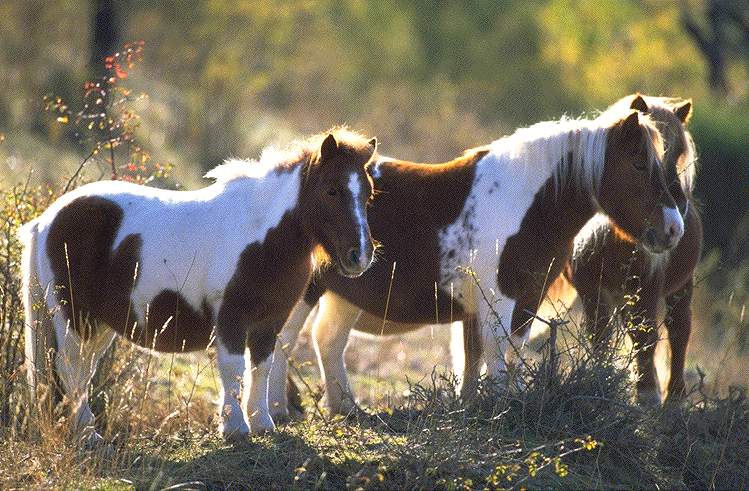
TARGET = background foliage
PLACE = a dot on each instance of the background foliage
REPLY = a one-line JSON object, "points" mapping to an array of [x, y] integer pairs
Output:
{"points": [[429, 78]]}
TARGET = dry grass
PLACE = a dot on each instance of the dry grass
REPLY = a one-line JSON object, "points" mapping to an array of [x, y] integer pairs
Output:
{"points": [[573, 426]]}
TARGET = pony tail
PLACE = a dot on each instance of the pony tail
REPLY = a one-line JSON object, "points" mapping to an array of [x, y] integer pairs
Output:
{"points": [[39, 333]]}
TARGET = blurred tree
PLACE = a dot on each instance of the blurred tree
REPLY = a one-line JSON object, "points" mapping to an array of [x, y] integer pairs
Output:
{"points": [[106, 38], [725, 35], [609, 48]]}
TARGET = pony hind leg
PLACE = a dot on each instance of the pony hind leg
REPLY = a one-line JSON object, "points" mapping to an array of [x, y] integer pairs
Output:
{"points": [[467, 352], [679, 327], [76, 360], [330, 332], [500, 348]]}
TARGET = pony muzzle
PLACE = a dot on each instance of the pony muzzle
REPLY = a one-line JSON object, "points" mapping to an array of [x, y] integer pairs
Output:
{"points": [[356, 260], [666, 235]]}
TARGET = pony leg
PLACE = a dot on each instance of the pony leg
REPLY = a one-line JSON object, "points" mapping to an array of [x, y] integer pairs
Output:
{"points": [[472, 355], [330, 332], [261, 340], [231, 368], [679, 327], [496, 339], [76, 362], [645, 337], [597, 317], [277, 385]]}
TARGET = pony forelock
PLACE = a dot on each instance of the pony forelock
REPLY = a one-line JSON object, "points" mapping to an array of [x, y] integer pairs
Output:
{"points": [[687, 166]]}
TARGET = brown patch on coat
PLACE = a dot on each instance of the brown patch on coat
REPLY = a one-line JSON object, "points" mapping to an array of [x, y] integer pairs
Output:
{"points": [[414, 202], [101, 278], [174, 326], [269, 279], [532, 258]]}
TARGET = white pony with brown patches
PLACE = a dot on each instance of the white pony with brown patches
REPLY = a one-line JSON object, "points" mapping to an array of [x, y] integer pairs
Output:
{"points": [[169, 270], [509, 212]]}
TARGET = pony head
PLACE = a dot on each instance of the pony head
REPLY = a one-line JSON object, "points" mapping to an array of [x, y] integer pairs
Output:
{"points": [[336, 190], [633, 191], [671, 117]]}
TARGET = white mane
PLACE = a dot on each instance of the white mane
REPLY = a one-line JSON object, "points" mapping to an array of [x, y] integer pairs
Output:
{"points": [[687, 175], [546, 144], [271, 158]]}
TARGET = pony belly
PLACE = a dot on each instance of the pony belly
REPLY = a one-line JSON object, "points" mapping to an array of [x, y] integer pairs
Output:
{"points": [[376, 326], [171, 325]]}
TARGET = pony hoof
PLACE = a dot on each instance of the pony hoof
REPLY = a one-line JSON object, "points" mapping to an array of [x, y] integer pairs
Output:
{"points": [[236, 433], [262, 424], [343, 408], [296, 413], [96, 444], [91, 440], [236, 437], [648, 398], [280, 417], [284, 417]]}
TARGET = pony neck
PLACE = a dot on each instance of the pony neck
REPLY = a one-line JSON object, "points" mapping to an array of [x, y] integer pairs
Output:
{"points": [[270, 201]]}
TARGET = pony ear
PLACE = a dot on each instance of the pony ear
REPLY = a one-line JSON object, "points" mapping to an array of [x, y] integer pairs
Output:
{"points": [[373, 145], [631, 131], [684, 111], [329, 147], [639, 103]]}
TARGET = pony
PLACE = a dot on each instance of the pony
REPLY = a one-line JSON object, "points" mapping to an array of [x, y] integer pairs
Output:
{"points": [[608, 263], [474, 239], [174, 271]]}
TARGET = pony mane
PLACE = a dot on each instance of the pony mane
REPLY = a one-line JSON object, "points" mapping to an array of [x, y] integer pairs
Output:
{"points": [[273, 158], [577, 142], [663, 108]]}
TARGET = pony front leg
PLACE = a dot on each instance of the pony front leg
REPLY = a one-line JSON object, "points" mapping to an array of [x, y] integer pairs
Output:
{"points": [[277, 385], [231, 368], [261, 341], [75, 362], [498, 344]]}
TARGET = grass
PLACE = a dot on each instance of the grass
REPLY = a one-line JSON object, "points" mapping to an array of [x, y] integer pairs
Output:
{"points": [[575, 429]]}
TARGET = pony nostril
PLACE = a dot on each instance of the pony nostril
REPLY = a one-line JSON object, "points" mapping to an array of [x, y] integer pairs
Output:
{"points": [[673, 230], [651, 236], [353, 255]]}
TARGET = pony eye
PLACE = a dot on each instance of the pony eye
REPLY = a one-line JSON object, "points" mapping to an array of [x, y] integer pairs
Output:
{"points": [[332, 192]]}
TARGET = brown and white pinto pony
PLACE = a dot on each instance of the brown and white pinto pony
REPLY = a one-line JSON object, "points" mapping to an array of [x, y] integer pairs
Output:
{"points": [[608, 263], [509, 212], [168, 270]]}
